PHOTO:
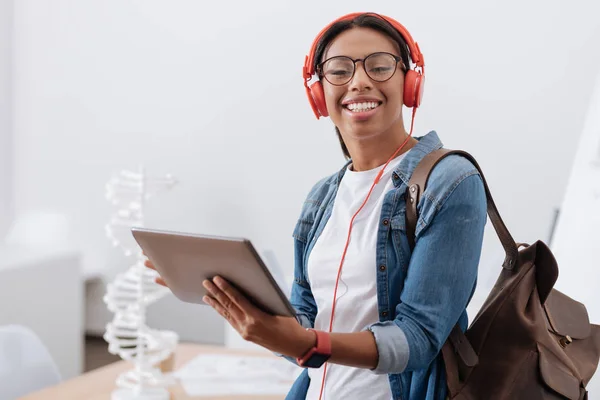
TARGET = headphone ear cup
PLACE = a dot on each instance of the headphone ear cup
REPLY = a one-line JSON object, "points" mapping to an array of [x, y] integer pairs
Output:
{"points": [[317, 95], [311, 101], [413, 88]]}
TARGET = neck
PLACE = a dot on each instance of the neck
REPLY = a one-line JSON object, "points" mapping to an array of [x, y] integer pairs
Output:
{"points": [[376, 151]]}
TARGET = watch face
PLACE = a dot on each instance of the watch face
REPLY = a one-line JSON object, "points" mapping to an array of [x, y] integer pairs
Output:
{"points": [[316, 360]]}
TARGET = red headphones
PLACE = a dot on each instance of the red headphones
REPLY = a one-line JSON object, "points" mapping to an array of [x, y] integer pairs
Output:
{"points": [[413, 80]]}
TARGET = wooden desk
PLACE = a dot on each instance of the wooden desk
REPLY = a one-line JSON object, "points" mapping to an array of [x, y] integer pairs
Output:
{"points": [[99, 383]]}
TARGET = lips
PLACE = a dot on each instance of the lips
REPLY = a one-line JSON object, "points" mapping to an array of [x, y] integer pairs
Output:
{"points": [[362, 106], [361, 114]]}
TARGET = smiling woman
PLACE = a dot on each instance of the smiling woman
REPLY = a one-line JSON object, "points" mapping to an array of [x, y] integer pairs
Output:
{"points": [[379, 336]]}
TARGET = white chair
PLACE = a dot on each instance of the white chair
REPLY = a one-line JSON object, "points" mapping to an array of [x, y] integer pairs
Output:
{"points": [[25, 364]]}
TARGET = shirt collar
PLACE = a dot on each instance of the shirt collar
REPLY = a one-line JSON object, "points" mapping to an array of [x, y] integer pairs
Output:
{"points": [[426, 145], [402, 173]]}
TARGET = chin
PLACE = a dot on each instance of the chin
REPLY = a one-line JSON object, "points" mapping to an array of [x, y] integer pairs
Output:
{"points": [[363, 130]]}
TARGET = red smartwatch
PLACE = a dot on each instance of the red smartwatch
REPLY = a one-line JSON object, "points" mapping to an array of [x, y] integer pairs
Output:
{"points": [[319, 354]]}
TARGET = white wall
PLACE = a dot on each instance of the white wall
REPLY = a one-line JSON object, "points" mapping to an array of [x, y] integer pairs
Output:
{"points": [[575, 242], [212, 92], [6, 164]]}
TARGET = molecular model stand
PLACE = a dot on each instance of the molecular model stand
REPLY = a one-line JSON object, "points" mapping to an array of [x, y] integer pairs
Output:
{"points": [[132, 292]]}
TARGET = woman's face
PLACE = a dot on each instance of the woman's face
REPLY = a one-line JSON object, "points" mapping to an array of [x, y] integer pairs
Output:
{"points": [[350, 105]]}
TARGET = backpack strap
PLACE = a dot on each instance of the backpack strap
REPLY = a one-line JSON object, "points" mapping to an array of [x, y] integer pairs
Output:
{"points": [[418, 184], [457, 343]]}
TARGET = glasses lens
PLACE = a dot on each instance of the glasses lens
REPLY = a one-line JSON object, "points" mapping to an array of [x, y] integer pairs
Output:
{"points": [[338, 70], [380, 66]]}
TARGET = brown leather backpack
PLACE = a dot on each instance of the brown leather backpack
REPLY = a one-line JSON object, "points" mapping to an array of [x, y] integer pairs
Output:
{"points": [[528, 340]]}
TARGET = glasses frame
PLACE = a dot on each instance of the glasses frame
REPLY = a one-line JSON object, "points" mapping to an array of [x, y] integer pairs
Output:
{"points": [[321, 75]]}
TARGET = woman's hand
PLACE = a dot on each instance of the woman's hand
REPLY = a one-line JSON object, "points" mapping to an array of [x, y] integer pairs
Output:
{"points": [[279, 334]]}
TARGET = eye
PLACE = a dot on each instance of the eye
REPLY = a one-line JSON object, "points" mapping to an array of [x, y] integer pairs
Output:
{"points": [[339, 72], [338, 66], [380, 70]]}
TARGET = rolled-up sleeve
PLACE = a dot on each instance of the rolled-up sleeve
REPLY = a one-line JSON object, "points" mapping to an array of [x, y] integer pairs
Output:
{"points": [[440, 280]]}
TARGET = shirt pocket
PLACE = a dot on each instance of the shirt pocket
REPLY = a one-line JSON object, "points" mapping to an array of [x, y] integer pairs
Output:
{"points": [[400, 239], [306, 221]]}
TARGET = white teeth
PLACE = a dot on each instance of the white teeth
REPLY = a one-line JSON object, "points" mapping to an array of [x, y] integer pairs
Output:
{"points": [[364, 106]]}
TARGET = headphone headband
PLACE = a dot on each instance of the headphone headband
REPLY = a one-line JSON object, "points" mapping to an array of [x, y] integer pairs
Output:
{"points": [[415, 53]]}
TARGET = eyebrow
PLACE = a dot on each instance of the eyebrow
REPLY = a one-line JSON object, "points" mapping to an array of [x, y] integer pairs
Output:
{"points": [[360, 58]]}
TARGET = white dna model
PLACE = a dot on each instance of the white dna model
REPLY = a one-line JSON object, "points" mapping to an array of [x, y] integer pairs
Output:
{"points": [[131, 292]]}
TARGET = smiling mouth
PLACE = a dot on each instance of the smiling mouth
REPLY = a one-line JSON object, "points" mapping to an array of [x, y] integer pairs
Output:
{"points": [[363, 106]]}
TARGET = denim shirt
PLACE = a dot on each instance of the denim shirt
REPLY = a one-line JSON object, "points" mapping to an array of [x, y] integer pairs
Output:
{"points": [[420, 295]]}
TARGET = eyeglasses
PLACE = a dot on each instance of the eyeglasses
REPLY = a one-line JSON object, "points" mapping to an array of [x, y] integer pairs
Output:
{"points": [[340, 70]]}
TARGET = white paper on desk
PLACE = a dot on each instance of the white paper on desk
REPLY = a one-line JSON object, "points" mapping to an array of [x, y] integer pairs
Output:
{"points": [[205, 387], [214, 375]]}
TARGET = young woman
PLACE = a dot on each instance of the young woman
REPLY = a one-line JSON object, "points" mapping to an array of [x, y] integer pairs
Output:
{"points": [[372, 315]]}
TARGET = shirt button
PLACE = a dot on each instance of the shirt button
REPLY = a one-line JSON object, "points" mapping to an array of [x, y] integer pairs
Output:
{"points": [[386, 221], [382, 267], [384, 314]]}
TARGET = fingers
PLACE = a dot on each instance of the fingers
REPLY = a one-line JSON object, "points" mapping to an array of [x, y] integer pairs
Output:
{"points": [[149, 264], [160, 281], [221, 302], [219, 308], [232, 293]]}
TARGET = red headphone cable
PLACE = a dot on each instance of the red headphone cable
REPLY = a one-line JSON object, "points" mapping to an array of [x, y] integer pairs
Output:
{"points": [[375, 182]]}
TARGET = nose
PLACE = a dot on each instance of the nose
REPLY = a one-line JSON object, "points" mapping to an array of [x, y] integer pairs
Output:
{"points": [[360, 81]]}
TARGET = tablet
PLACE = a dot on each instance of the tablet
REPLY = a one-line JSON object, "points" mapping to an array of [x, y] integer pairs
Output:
{"points": [[185, 260]]}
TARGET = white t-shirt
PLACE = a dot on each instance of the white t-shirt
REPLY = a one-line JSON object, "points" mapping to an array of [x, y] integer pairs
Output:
{"points": [[356, 305]]}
